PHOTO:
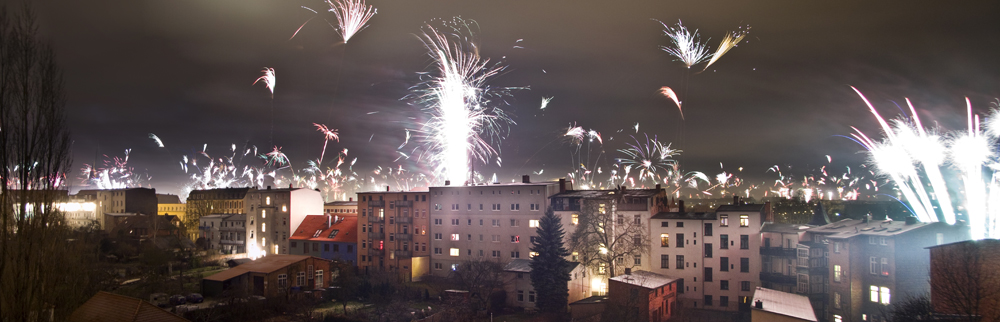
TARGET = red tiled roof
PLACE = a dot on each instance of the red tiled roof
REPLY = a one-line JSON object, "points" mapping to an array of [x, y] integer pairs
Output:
{"points": [[108, 307], [348, 229]]}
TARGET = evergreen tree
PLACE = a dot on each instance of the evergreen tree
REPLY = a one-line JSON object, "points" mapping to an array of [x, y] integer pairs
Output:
{"points": [[549, 268]]}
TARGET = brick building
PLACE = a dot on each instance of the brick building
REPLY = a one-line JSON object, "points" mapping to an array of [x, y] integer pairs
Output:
{"points": [[653, 297], [333, 237], [965, 282], [394, 228], [271, 276]]}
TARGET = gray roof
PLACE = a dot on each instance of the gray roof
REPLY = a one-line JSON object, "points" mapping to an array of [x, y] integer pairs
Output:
{"points": [[787, 304], [848, 228], [591, 300], [771, 227], [741, 208], [644, 279], [607, 194], [341, 203], [236, 217], [685, 215], [167, 199], [524, 266]]}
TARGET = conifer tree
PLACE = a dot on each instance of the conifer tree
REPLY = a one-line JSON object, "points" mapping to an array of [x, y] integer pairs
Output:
{"points": [[549, 268]]}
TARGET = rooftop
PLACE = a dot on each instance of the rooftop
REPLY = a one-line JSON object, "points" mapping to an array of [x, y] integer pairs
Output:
{"points": [[992, 243], [109, 307], [644, 279], [607, 194], [265, 265], [787, 304], [167, 199], [771, 227], [686, 215], [848, 228], [592, 300], [524, 266], [741, 208], [314, 228], [341, 203]]}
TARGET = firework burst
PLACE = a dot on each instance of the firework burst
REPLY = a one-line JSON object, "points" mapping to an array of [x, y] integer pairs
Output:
{"points": [[458, 102], [268, 79], [352, 17], [728, 42], [685, 46], [648, 157], [669, 93]]}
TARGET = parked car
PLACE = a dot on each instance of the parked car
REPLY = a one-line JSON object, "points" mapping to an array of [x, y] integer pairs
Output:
{"points": [[160, 299], [195, 298], [177, 299]]}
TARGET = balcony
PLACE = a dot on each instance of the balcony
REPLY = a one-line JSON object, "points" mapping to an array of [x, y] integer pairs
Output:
{"points": [[232, 229], [374, 235], [404, 237], [633, 207], [376, 252], [376, 203], [403, 253], [777, 278], [778, 251], [404, 203], [232, 242], [404, 220], [375, 219]]}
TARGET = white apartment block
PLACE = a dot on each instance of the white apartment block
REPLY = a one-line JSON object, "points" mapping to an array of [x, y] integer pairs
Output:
{"points": [[716, 254], [272, 215], [490, 221]]}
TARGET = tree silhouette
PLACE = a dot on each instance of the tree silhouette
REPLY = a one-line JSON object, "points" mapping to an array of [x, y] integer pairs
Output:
{"points": [[549, 268]]}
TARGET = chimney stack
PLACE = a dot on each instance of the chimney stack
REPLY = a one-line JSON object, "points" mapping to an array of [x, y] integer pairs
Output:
{"points": [[350, 199], [328, 222], [736, 200], [387, 188], [628, 271], [562, 185], [447, 182], [768, 213], [680, 206], [657, 187], [758, 305], [525, 179]]}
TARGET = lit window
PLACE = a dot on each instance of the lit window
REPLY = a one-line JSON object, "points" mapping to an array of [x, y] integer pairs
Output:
{"points": [[744, 220], [263, 213], [455, 237], [275, 249], [838, 318], [263, 227], [284, 208], [885, 295], [874, 293], [664, 240], [724, 221], [576, 219], [533, 223], [267, 200], [836, 273], [532, 254], [453, 252]]}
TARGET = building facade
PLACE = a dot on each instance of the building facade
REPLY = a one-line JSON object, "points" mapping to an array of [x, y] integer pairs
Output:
{"points": [[490, 221], [272, 276], [210, 231], [333, 237], [394, 228], [272, 214], [233, 234], [341, 208], [965, 280], [652, 297], [716, 255], [521, 293]]}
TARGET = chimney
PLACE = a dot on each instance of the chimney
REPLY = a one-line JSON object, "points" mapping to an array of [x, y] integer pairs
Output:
{"points": [[657, 187], [525, 179], [387, 188], [350, 199], [768, 213], [758, 305], [562, 185], [680, 206], [736, 200], [289, 186], [328, 222], [911, 220], [447, 182], [268, 187], [628, 271]]}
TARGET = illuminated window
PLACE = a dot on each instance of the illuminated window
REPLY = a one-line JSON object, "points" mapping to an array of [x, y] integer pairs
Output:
{"points": [[263, 213], [275, 249], [453, 252], [263, 227], [885, 266], [455, 237], [664, 240], [533, 223], [576, 219], [836, 273], [263, 241], [744, 220], [885, 295], [267, 201], [838, 318], [532, 254], [284, 208], [602, 209], [874, 293], [724, 221]]}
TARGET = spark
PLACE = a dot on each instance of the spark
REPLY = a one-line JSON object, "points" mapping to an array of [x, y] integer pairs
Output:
{"points": [[728, 42], [328, 135], [545, 102], [352, 17], [669, 93], [686, 46], [159, 143]]}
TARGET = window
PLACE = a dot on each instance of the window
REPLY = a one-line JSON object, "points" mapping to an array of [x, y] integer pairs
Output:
{"points": [[680, 240], [723, 241], [665, 224], [744, 220], [453, 252], [664, 261], [638, 259], [533, 223], [664, 240], [454, 267], [437, 250], [454, 222], [745, 286], [267, 200], [680, 224], [638, 220], [836, 273], [496, 238], [708, 274], [724, 264], [838, 318], [708, 250], [724, 301], [437, 236], [282, 281], [263, 227], [883, 241], [872, 240], [455, 237], [496, 222], [515, 254], [744, 265], [836, 247], [319, 279], [438, 221], [437, 266], [520, 296], [724, 221], [531, 296], [884, 292], [708, 300], [873, 267], [885, 266], [515, 206], [879, 294], [575, 219], [515, 223], [744, 241], [724, 285], [708, 229], [836, 300], [300, 280], [680, 262], [495, 253], [515, 238]]}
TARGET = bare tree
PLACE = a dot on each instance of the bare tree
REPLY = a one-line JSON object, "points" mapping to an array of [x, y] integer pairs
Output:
{"points": [[965, 280], [34, 157], [481, 277], [606, 240]]}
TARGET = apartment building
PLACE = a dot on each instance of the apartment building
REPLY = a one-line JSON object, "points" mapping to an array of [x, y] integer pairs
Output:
{"points": [[394, 232], [272, 214], [965, 280], [489, 221], [521, 293], [871, 264], [116, 201], [716, 255], [332, 237], [210, 231], [642, 296], [233, 234], [341, 208], [216, 201], [167, 204], [781, 245], [625, 211]]}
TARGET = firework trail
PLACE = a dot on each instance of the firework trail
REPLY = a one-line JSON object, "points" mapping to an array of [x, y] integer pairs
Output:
{"points": [[221, 172], [648, 157], [457, 101], [328, 135], [156, 139], [267, 78], [728, 42], [914, 157], [545, 102], [352, 17], [669, 93]]}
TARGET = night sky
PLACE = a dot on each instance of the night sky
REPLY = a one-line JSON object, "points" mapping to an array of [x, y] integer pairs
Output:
{"points": [[183, 69]]}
